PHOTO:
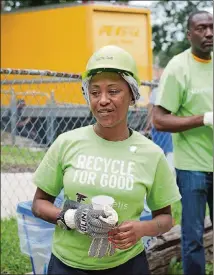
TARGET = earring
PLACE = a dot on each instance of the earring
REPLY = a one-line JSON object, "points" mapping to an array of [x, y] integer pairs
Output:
{"points": [[132, 103]]}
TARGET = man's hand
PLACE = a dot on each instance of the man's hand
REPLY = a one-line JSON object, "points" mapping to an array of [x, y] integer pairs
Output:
{"points": [[126, 234]]}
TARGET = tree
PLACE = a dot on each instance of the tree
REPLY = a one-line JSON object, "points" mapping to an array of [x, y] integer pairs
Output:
{"points": [[16, 4], [169, 26]]}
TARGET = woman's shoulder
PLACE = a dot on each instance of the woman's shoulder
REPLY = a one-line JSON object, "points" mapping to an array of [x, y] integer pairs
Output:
{"points": [[71, 136]]}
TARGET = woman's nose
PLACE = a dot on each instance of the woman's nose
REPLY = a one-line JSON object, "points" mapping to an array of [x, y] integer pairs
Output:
{"points": [[104, 99]]}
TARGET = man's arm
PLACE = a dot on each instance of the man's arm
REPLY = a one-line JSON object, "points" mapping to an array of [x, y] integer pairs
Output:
{"points": [[149, 118], [164, 121], [24, 122]]}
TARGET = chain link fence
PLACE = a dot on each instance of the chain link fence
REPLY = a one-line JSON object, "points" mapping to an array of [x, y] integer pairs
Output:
{"points": [[37, 106]]}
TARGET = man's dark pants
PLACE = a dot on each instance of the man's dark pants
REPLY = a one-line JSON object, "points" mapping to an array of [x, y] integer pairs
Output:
{"points": [[196, 189]]}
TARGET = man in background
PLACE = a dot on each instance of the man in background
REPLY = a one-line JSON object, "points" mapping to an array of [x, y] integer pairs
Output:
{"points": [[185, 108], [24, 125]]}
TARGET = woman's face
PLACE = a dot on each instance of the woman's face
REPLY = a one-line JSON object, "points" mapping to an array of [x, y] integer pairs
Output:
{"points": [[110, 97]]}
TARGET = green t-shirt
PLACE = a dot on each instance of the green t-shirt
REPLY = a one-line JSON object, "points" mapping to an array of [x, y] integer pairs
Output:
{"points": [[81, 162], [186, 89]]}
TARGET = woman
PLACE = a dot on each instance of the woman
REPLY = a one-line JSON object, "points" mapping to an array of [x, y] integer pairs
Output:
{"points": [[106, 158]]}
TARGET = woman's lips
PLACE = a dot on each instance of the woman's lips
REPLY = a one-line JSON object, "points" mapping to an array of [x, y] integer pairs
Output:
{"points": [[105, 112]]}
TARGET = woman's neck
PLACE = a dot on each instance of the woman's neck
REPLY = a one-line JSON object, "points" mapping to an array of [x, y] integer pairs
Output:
{"points": [[118, 133]]}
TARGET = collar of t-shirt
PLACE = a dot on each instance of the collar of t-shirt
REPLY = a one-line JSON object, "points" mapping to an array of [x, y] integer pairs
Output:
{"points": [[201, 60]]}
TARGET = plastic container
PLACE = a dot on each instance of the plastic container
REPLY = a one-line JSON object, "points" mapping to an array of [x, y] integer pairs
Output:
{"points": [[146, 215], [99, 202], [35, 235]]}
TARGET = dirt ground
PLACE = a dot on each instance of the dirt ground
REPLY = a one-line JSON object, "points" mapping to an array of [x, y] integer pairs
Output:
{"points": [[18, 169], [6, 139]]}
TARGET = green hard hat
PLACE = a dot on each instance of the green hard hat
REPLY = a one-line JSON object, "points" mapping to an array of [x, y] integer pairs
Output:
{"points": [[111, 58]]}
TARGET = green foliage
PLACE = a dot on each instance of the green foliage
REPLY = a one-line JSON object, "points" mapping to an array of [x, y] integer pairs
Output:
{"points": [[169, 26], [36, 3], [175, 268], [209, 269], [176, 48], [176, 212]]}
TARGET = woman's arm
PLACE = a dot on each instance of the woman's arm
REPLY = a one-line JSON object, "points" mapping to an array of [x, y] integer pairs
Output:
{"points": [[129, 233], [161, 222], [43, 206]]}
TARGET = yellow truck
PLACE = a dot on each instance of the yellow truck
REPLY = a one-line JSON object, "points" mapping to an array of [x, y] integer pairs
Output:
{"points": [[62, 38]]}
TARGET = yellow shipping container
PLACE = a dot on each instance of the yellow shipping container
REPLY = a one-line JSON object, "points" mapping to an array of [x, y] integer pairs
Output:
{"points": [[62, 38]]}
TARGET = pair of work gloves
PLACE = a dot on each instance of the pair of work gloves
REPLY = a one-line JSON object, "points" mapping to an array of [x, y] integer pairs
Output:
{"points": [[94, 223]]}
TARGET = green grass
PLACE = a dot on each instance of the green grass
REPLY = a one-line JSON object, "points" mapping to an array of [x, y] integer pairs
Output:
{"points": [[16, 159], [11, 155], [12, 260]]}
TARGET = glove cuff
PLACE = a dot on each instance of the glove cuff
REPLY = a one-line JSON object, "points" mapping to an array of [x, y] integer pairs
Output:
{"points": [[69, 218]]}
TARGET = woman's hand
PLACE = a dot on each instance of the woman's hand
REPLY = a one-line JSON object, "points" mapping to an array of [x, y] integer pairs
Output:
{"points": [[129, 233], [126, 234]]}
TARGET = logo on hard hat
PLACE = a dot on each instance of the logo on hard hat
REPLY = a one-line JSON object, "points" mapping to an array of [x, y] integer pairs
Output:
{"points": [[99, 58]]}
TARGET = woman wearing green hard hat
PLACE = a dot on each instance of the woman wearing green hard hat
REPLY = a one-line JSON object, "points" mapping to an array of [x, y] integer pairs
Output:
{"points": [[112, 167]]}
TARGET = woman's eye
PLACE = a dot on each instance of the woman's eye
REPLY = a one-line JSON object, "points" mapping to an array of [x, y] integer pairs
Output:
{"points": [[94, 93], [114, 92]]}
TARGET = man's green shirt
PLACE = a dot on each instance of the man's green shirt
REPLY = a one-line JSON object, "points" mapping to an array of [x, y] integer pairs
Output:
{"points": [[186, 89]]}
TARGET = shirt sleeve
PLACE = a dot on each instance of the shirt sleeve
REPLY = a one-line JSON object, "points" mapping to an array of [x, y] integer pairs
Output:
{"points": [[171, 88], [164, 190], [49, 174]]}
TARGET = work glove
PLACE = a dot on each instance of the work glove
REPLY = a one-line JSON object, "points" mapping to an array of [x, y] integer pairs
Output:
{"points": [[101, 247], [71, 204], [96, 224], [208, 119], [92, 222]]}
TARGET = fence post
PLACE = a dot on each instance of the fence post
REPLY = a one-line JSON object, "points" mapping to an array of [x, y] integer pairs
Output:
{"points": [[13, 109], [50, 121]]}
